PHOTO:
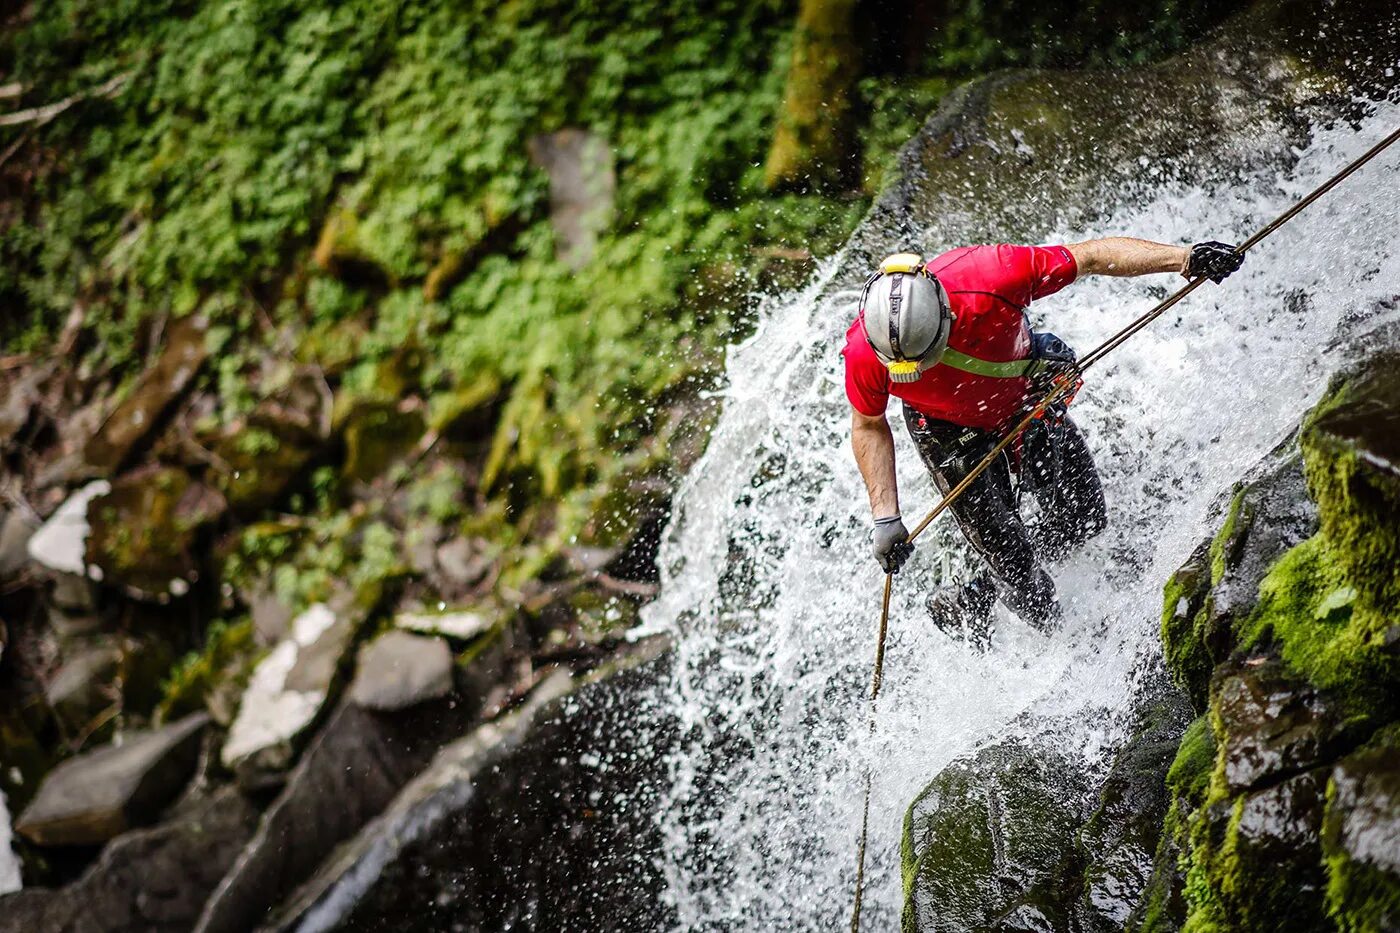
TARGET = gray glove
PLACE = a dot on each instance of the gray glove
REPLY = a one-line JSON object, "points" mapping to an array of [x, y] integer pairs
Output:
{"points": [[890, 540]]}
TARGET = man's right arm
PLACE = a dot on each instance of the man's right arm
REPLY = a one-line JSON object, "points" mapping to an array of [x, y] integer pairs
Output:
{"points": [[873, 444]]}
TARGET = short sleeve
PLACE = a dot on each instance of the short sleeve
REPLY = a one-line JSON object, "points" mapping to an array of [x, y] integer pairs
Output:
{"points": [[867, 383], [1033, 272]]}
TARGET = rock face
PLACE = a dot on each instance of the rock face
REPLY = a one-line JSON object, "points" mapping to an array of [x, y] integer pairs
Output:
{"points": [[582, 182], [348, 774], [286, 694], [398, 670], [95, 796], [148, 880], [1291, 818], [61, 542]]}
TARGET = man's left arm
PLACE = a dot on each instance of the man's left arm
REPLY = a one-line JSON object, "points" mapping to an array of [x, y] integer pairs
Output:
{"points": [[1127, 256]]}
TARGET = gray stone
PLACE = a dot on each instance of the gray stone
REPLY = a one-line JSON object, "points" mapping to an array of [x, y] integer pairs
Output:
{"points": [[271, 617], [15, 531], [460, 624], [286, 694], [582, 183], [61, 542], [461, 563], [82, 687], [398, 670], [100, 794], [147, 881]]}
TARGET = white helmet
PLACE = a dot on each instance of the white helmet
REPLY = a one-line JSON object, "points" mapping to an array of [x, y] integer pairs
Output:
{"points": [[906, 315]]}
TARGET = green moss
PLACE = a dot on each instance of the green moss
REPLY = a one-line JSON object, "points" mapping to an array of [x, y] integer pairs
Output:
{"points": [[1190, 770], [227, 657], [1184, 615]]}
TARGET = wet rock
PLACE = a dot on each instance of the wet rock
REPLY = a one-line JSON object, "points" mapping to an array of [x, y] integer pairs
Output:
{"points": [[989, 841], [146, 881], [287, 692], [61, 542], [448, 784], [462, 625], [135, 418], [146, 527], [15, 531], [1121, 837], [398, 670], [349, 773], [82, 688], [1270, 725], [1218, 586], [97, 795], [582, 182], [1269, 874], [1361, 836]]}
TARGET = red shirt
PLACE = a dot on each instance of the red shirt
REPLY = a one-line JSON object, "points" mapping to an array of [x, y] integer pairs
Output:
{"points": [[988, 288]]}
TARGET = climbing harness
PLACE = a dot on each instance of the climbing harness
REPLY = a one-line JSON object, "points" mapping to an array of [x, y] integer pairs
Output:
{"points": [[1063, 386]]}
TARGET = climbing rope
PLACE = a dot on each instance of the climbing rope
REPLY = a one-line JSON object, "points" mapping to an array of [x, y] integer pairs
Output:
{"points": [[1063, 386]]}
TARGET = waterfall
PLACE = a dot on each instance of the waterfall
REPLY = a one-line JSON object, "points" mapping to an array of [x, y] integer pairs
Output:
{"points": [[771, 596]]}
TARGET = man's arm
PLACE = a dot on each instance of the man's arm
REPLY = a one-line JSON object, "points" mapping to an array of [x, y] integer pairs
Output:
{"points": [[1121, 255], [873, 444]]}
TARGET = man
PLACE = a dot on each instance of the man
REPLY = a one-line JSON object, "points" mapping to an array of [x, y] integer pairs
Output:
{"points": [[949, 338]]}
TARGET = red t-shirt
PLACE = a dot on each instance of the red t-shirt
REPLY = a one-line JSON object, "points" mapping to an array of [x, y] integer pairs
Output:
{"points": [[988, 288]]}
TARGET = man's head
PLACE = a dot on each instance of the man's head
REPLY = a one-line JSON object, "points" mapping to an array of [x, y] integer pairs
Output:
{"points": [[906, 315]]}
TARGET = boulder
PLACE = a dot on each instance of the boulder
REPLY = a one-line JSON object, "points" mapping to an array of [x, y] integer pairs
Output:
{"points": [[1361, 836], [16, 529], [348, 774], [461, 625], [82, 688], [582, 183], [61, 542], [287, 692], [147, 881], [141, 412], [990, 840], [97, 795], [398, 670], [145, 529]]}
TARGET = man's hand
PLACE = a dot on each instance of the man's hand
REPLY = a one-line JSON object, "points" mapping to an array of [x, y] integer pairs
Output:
{"points": [[1212, 260], [890, 541]]}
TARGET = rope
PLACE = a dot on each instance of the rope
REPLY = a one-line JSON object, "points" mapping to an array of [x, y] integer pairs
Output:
{"points": [[1060, 388]]}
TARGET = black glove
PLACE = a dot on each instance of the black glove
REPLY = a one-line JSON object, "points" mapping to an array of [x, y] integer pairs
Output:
{"points": [[1212, 260], [890, 540]]}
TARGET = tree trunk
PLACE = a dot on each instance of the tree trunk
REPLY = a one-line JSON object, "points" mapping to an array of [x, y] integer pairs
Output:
{"points": [[814, 145]]}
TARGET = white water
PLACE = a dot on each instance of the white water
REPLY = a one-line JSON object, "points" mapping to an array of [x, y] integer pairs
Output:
{"points": [[772, 598], [9, 865]]}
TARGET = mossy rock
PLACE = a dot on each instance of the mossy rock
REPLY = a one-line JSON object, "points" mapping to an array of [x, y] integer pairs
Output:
{"points": [[989, 839], [1361, 837], [144, 531], [266, 454], [379, 433], [219, 670], [342, 250]]}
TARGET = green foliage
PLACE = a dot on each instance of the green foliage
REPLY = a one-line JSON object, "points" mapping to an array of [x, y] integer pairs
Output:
{"points": [[227, 656]]}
